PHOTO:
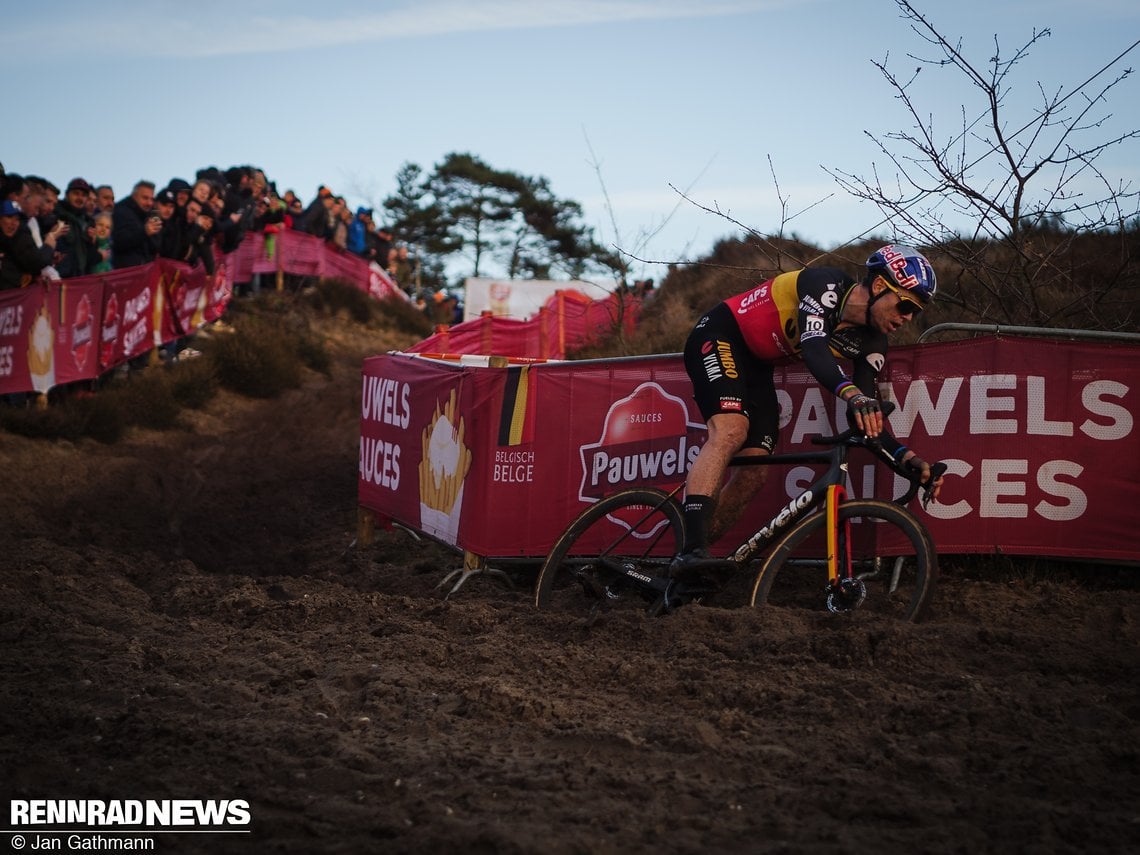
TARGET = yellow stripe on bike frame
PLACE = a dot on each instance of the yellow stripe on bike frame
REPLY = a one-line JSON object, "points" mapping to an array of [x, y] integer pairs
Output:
{"points": [[835, 495]]}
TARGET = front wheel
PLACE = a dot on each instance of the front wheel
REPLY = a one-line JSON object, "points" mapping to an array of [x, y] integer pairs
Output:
{"points": [[635, 531], [894, 565]]}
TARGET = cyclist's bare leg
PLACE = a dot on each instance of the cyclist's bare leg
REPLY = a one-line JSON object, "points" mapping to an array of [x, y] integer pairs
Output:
{"points": [[727, 432], [743, 483]]}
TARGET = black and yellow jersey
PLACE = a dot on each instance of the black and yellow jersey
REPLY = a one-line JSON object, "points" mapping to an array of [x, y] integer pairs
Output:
{"points": [[797, 315]]}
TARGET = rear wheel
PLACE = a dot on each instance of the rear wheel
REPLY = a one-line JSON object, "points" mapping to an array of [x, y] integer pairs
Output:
{"points": [[894, 564], [638, 530]]}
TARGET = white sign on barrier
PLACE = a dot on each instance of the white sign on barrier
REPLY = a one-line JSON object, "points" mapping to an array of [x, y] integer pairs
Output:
{"points": [[521, 299]]}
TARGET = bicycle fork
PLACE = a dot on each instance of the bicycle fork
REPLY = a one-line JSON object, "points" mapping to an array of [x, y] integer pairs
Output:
{"points": [[844, 591]]}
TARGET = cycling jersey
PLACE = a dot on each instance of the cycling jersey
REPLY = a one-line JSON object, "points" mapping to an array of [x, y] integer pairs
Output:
{"points": [[797, 315]]}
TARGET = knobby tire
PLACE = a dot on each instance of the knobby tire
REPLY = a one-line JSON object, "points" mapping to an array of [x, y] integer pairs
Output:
{"points": [[578, 574], [794, 574]]}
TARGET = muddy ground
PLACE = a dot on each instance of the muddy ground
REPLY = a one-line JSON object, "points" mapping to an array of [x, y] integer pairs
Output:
{"points": [[184, 616]]}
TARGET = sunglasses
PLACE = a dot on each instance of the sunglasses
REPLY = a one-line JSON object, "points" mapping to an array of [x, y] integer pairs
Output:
{"points": [[906, 305]]}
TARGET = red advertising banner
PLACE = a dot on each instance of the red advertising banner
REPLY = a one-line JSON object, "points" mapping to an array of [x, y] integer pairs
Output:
{"points": [[132, 311], [381, 286], [27, 341], [1040, 437], [498, 460], [193, 297], [48, 336], [183, 298], [300, 253], [257, 253], [78, 305]]}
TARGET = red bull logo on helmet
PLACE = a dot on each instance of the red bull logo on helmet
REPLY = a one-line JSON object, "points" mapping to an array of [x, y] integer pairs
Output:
{"points": [[899, 265]]}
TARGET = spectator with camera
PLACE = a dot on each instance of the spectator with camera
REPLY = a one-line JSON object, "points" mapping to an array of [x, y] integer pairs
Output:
{"points": [[191, 238], [21, 261], [237, 212], [75, 248], [39, 217], [135, 229]]}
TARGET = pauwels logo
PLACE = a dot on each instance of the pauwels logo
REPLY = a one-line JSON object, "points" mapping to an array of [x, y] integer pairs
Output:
{"points": [[83, 344], [647, 439], [109, 336]]}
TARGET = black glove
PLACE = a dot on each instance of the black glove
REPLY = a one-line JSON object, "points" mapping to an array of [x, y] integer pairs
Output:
{"points": [[864, 405]]}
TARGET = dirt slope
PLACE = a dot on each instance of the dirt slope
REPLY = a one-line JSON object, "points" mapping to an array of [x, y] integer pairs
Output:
{"points": [[183, 617]]}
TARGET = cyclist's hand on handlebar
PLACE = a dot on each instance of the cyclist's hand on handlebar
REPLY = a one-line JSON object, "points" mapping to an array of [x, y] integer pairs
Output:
{"points": [[867, 413], [913, 461]]}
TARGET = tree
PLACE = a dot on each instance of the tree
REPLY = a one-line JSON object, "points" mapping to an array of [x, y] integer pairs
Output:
{"points": [[475, 201], [467, 208], [548, 237], [1014, 205]]}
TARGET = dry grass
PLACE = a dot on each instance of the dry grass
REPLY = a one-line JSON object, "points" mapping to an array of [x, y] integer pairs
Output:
{"points": [[1088, 282]]}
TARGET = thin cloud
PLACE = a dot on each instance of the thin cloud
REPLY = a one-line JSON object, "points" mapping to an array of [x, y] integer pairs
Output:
{"points": [[216, 30]]}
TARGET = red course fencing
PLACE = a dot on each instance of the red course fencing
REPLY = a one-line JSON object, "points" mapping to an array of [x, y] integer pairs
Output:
{"points": [[1040, 438], [54, 333], [569, 320]]}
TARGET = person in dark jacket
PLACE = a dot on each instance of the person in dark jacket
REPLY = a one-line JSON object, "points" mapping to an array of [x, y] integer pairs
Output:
{"points": [[134, 235], [20, 259], [192, 239], [76, 248], [316, 220]]}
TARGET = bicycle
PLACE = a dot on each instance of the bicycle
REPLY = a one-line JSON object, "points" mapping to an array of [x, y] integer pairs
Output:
{"points": [[879, 556]]}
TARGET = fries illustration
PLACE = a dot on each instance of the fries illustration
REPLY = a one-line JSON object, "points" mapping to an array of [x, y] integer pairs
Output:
{"points": [[41, 341], [443, 468]]}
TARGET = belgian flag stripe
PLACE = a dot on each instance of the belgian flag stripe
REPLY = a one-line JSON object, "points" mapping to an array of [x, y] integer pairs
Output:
{"points": [[512, 419]]}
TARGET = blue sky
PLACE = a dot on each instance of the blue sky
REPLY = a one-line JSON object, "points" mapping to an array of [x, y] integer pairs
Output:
{"points": [[619, 103]]}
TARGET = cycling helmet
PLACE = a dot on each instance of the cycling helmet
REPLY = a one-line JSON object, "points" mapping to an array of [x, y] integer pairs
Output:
{"points": [[906, 269]]}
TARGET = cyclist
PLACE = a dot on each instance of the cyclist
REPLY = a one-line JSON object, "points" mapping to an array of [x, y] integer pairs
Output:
{"points": [[816, 314]]}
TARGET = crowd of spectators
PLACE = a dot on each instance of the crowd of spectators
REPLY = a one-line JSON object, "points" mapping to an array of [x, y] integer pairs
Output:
{"points": [[85, 229]]}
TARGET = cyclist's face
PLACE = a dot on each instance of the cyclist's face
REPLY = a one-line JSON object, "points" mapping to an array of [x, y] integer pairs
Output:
{"points": [[897, 308]]}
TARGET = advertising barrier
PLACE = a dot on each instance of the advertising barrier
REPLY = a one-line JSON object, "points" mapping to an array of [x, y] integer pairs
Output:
{"points": [[76, 329], [53, 333], [1040, 438]]}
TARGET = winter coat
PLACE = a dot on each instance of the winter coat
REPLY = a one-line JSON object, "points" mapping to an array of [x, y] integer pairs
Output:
{"points": [[20, 259], [130, 244]]}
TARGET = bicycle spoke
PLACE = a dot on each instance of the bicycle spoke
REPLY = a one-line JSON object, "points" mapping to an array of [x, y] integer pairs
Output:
{"points": [[603, 558]]}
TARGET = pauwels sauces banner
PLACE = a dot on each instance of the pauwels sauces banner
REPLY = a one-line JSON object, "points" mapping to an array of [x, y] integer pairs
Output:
{"points": [[498, 460], [77, 321], [415, 450], [647, 438], [48, 336], [131, 313], [1040, 438], [28, 340]]}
